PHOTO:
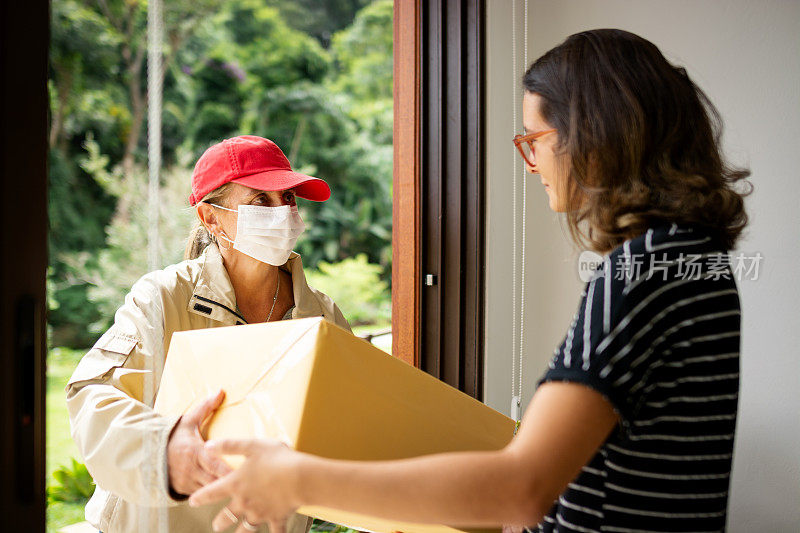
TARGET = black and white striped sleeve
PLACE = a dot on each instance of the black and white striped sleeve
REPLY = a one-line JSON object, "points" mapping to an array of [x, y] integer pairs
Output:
{"points": [[610, 343]]}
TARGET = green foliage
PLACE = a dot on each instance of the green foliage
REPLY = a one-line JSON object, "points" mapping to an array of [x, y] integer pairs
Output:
{"points": [[356, 287], [270, 50], [316, 77], [322, 526], [72, 484], [83, 55], [214, 121], [363, 52], [61, 363], [112, 271], [79, 209], [61, 449], [62, 514], [319, 18]]}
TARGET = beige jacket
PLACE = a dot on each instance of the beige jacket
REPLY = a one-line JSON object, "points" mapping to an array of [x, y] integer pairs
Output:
{"points": [[111, 393]]}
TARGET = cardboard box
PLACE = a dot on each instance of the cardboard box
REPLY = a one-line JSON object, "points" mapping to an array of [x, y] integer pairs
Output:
{"points": [[323, 391]]}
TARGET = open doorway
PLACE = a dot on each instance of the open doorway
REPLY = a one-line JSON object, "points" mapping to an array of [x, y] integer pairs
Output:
{"points": [[315, 77], [98, 160]]}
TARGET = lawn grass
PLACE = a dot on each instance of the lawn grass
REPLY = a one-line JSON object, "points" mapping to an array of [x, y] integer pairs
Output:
{"points": [[62, 514], [60, 447]]}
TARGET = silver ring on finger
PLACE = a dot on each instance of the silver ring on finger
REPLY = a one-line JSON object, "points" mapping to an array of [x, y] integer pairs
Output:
{"points": [[248, 526], [232, 517]]}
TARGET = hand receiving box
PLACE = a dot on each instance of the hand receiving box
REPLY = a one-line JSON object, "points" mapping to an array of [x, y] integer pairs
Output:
{"points": [[326, 392]]}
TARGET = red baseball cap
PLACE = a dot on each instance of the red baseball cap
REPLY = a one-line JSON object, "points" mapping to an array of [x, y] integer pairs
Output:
{"points": [[255, 162]]}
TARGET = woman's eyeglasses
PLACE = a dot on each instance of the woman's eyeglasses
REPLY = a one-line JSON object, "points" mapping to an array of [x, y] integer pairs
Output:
{"points": [[524, 144]]}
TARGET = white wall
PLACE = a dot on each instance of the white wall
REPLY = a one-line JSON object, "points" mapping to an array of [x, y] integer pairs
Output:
{"points": [[550, 288], [746, 57]]}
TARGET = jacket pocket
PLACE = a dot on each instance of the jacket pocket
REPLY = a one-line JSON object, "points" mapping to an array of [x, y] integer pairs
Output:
{"points": [[109, 352]]}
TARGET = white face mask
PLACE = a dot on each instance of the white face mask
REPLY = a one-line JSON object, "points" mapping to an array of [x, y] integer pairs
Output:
{"points": [[267, 234]]}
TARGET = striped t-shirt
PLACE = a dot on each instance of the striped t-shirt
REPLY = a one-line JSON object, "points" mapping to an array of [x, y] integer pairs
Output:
{"points": [[657, 333]]}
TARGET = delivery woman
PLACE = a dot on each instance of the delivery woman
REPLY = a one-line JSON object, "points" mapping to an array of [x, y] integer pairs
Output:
{"points": [[631, 428], [240, 269]]}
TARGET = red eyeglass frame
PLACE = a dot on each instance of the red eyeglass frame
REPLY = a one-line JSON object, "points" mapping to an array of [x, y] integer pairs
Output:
{"points": [[529, 138]]}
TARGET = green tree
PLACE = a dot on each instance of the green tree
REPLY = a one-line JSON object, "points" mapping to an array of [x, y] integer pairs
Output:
{"points": [[110, 273], [356, 287], [79, 209], [319, 19], [97, 91], [256, 52], [231, 67], [82, 52], [128, 18], [363, 54]]}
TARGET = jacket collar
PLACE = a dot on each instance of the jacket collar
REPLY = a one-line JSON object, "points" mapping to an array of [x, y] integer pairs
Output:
{"points": [[214, 297], [306, 303], [213, 294]]}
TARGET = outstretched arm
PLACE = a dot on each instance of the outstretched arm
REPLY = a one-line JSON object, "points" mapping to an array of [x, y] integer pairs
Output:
{"points": [[129, 449], [562, 429]]}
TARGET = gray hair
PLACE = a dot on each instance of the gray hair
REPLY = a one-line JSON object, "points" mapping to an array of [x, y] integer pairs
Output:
{"points": [[200, 237]]}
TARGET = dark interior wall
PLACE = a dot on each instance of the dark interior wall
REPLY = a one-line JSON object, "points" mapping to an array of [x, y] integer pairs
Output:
{"points": [[24, 36]]}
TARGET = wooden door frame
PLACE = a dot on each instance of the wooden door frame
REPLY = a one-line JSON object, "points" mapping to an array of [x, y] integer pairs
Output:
{"points": [[439, 193], [406, 207]]}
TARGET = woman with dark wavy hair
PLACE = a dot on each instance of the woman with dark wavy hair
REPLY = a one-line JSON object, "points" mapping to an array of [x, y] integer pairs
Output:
{"points": [[638, 143], [631, 428]]}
